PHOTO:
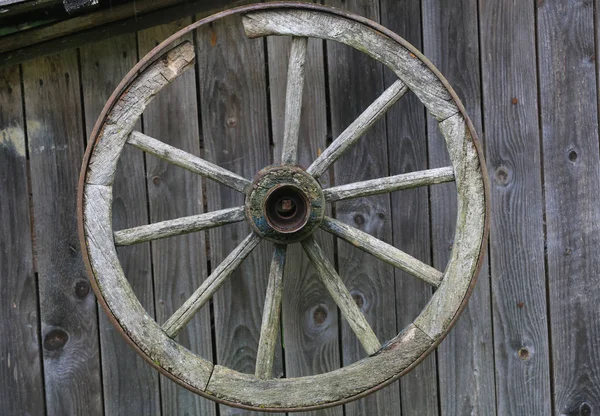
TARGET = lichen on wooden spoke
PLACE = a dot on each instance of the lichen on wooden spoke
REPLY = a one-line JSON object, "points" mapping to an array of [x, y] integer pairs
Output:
{"points": [[389, 184], [188, 161], [342, 297], [358, 128], [383, 251], [191, 306], [179, 226], [271, 315], [293, 101]]}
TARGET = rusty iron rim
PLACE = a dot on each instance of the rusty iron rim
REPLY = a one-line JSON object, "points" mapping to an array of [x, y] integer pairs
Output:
{"points": [[155, 54]]}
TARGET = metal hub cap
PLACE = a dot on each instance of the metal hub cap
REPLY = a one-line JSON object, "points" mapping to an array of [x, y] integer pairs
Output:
{"points": [[285, 204]]}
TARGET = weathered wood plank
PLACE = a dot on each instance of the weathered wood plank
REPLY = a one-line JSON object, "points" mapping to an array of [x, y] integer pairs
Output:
{"points": [[358, 128], [389, 184], [293, 100], [200, 297], [310, 317], [67, 305], [342, 297], [233, 91], [21, 377], [179, 226], [450, 36], [129, 384], [188, 161], [569, 117], [340, 384], [270, 328], [355, 82], [383, 251], [407, 150], [517, 229], [179, 264]]}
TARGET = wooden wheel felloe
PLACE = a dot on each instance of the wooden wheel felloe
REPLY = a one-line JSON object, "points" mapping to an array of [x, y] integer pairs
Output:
{"points": [[286, 204]]}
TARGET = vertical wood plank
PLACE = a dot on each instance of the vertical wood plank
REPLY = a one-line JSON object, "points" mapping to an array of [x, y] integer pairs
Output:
{"points": [[67, 304], [235, 119], [517, 232], [179, 263], [310, 317], [130, 385], [21, 378], [569, 116], [355, 81], [407, 142], [465, 358]]}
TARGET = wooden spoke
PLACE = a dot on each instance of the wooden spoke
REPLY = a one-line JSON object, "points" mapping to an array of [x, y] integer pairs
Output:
{"points": [[383, 251], [271, 315], [178, 226], [293, 101], [191, 306], [188, 161], [342, 297], [389, 184], [358, 128]]}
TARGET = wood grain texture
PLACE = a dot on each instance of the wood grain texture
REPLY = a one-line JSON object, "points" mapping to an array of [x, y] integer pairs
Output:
{"points": [[188, 161], [179, 226], [233, 92], [179, 264], [411, 70], [389, 184], [407, 151], [129, 384], [309, 315], [21, 376], [517, 230], [320, 389], [569, 116], [465, 359], [355, 82], [67, 305], [126, 112], [271, 328]]}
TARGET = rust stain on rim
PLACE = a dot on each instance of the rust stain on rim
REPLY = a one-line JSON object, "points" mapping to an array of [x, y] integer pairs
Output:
{"points": [[163, 48]]}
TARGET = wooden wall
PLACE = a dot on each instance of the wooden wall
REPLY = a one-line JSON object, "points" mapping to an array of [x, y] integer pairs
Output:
{"points": [[528, 343]]}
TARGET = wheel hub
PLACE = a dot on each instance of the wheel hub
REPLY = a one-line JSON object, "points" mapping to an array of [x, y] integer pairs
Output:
{"points": [[285, 204]]}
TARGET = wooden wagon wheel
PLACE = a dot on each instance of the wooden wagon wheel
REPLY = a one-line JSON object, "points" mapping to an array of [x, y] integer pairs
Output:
{"points": [[286, 204]]}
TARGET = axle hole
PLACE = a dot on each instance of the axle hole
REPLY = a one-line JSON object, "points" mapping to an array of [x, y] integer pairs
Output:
{"points": [[287, 209]]}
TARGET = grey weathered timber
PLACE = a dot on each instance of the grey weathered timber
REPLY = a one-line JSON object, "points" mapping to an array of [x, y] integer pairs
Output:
{"points": [[293, 101], [21, 377], [191, 306], [122, 118], [323, 388], [235, 127], [355, 82], [179, 226], [67, 306], [125, 375], [407, 152], [119, 297], [450, 38], [410, 69], [174, 193], [439, 312], [342, 296], [389, 184], [188, 161], [271, 315], [309, 315], [383, 251], [569, 117], [358, 128], [510, 106]]}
